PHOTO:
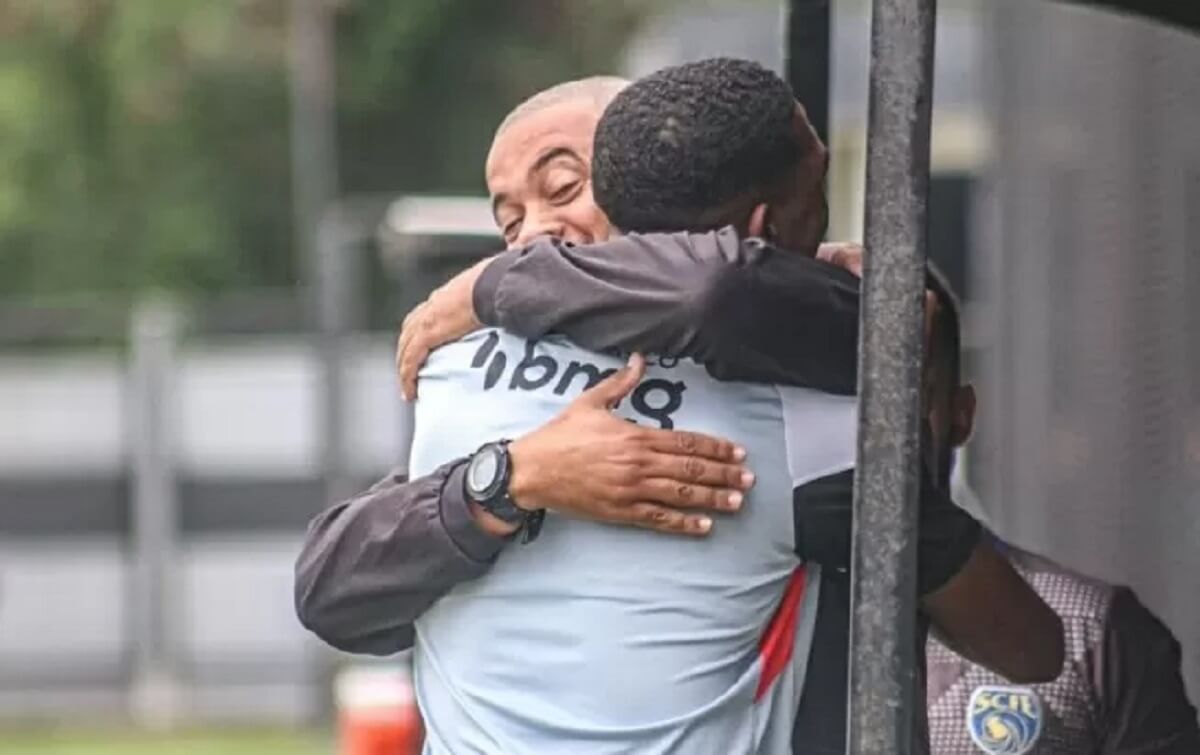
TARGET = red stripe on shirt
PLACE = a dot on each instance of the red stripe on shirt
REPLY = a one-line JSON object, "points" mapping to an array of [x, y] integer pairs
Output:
{"points": [[776, 647]]}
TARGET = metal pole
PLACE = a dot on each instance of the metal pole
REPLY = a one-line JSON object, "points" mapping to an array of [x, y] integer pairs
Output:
{"points": [[809, 25], [342, 228], [314, 182], [314, 189], [883, 624], [154, 695], [313, 140]]}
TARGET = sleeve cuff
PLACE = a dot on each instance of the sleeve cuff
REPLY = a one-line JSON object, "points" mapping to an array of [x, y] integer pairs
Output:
{"points": [[460, 524], [487, 287], [936, 568], [946, 536]]}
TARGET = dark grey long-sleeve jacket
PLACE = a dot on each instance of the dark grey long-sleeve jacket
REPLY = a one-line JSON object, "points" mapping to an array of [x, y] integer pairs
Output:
{"points": [[372, 565]]}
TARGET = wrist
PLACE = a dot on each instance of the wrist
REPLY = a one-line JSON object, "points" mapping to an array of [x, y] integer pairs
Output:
{"points": [[487, 487], [477, 537], [486, 288], [491, 524], [522, 485]]}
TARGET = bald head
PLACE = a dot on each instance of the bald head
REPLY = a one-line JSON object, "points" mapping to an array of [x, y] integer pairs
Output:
{"points": [[539, 169], [595, 90]]}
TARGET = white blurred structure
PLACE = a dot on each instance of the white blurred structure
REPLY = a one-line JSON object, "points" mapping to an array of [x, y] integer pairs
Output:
{"points": [[77, 623]]}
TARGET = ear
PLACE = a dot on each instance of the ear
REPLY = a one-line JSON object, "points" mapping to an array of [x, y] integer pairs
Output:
{"points": [[962, 422], [759, 223]]}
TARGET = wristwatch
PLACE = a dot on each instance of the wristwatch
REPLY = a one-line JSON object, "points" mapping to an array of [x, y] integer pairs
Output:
{"points": [[485, 483]]}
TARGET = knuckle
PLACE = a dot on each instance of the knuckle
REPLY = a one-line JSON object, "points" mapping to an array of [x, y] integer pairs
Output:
{"points": [[638, 458], [658, 518], [645, 454], [626, 497], [638, 439], [640, 512], [670, 522], [693, 468], [627, 477], [687, 442], [685, 492]]}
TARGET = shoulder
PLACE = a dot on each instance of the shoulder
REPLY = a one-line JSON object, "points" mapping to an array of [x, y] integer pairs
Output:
{"points": [[820, 430], [1130, 621], [1070, 594], [685, 247]]}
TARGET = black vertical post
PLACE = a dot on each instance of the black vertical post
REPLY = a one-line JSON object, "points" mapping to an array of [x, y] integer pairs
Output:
{"points": [[886, 484], [809, 26]]}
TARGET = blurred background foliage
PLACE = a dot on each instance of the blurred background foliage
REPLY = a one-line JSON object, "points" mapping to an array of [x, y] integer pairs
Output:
{"points": [[144, 144]]}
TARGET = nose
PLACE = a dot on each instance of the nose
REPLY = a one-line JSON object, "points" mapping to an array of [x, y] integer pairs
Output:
{"points": [[541, 225]]}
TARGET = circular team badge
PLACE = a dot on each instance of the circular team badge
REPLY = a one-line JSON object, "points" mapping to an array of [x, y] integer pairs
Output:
{"points": [[1004, 720]]}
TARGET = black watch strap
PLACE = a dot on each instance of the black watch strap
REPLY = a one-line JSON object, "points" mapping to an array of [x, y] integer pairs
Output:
{"points": [[532, 526], [486, 483]]}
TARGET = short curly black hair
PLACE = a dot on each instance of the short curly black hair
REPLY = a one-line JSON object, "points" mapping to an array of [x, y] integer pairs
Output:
{"points": [[675, 148]]}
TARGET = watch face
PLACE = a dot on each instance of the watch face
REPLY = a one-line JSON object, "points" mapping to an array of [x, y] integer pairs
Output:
{"points": [[481, 473]]}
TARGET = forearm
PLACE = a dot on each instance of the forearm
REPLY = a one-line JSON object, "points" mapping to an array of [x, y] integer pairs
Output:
{"points": [[782, 318], [823, 512], [372, 565], [990, 615], [979, 605], [748, 312], [629, 293]]}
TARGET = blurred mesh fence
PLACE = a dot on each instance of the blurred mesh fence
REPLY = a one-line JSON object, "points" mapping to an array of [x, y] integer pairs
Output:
{"points": [[1087, 281], [159, 460]]}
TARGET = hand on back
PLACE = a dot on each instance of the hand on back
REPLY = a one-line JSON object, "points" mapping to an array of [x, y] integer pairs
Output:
{"points": [[591, 464], [447, 315], [849, 256]]}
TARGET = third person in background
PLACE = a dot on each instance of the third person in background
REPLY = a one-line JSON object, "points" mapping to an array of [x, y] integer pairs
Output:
{"points": [[1120, 692]]}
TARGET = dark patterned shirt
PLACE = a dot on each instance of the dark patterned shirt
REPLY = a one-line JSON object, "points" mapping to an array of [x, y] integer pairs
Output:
{"points": [[1120, 690]]}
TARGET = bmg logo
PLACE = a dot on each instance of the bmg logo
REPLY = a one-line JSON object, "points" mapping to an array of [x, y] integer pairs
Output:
{"points": [[655, 399], [1004, 720]]}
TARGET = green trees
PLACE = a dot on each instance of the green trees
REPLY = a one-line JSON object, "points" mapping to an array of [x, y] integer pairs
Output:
{"points": [[144, 143]]}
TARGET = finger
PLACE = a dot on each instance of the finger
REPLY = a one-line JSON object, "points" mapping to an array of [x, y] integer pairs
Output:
{"points": [[829, 252], [410, 367], [697, 470], [407, 332], [608, 393], [402, 364], [661, 519], [846, 255], [684, 443], [402, 342], [687, 495]]}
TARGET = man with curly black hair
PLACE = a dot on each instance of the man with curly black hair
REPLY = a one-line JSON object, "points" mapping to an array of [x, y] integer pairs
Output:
{"points": [[699, 147]]}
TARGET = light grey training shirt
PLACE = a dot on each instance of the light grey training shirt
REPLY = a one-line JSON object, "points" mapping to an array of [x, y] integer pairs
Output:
{"points": [[603, 639]]}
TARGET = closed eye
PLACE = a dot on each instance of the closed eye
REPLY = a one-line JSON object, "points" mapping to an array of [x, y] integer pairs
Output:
{"points": [[566, 192]]}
